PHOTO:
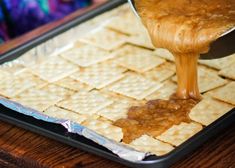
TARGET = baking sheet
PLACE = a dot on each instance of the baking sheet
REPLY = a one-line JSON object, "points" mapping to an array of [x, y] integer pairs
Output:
{"points": [[51, 48]]}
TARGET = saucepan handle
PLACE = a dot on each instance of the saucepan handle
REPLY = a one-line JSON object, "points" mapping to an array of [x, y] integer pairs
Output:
{"points": [[222, 47]]}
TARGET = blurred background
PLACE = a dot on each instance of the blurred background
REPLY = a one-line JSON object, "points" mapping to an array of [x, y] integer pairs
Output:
{"points": [[20, 16]]}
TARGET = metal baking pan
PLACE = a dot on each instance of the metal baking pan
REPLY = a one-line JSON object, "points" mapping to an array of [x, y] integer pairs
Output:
{"points": [[59, 133]]}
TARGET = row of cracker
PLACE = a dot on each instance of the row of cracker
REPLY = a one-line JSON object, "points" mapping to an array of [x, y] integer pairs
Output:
{"points": [[101, 75]]}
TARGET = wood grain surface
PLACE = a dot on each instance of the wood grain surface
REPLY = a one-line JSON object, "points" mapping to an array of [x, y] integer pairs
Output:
{"points": [[20, 148]]}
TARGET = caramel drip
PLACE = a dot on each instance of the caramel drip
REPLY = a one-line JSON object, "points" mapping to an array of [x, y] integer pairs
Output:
{"points": [[186, 71], [154, 117]]}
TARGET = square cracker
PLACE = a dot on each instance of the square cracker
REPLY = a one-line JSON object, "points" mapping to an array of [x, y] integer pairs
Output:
{"points": [[115, 111], [12, 67], [87, 55], [70, 83], [37, 99], [54, 69], [208, 110], [105, 39], [146, 143], [142, 40], [161, 73], [84, 102], [137, 59], [57, 90], [225, 93], [31, 78], [121, 98], [164, 53], [135, 86], [126, 23], [228, 72], [129, 49], [98, 76], [4, 74], [164, 92], [12, 85], [60, 113], [207, 79], [178, 134], [219, 63], [105, 128], [111, 64]]}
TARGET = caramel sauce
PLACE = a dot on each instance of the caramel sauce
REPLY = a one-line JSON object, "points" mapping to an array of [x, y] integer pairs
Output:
{"points": [[155, 117], [186, 28]]}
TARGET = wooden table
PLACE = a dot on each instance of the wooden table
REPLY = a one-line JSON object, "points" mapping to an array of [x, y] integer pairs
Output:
{"points": [[20, 148]]}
